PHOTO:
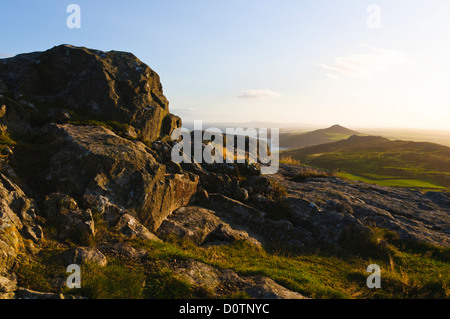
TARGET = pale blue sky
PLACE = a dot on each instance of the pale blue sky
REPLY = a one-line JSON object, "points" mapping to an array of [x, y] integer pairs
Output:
{"points": [[266, 60]]}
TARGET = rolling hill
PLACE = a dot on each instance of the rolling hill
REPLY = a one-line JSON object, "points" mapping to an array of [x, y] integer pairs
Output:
{"points": [[317, 137], [381, 161]]}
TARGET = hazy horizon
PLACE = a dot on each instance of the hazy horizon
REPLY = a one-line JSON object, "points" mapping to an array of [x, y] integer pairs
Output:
{"points": [[437, 136], [307, 126], [360, 64]]}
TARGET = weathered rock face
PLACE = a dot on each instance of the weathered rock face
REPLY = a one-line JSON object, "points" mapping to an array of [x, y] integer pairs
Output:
{"points": [[252, 220], [111, 86], [201, 226], [70, 221], [130, 227], [322, 210], [93, 161], [7, 285], [17, 222]]}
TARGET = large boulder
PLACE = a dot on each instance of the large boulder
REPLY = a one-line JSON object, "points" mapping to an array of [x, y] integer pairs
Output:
{"points": [[251, 219], [201, 226], [94, 161], [91, 84]]}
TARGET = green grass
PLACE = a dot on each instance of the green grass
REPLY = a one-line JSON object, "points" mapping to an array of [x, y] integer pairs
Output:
{"points": [[118, 280], [408, 270], [382, 162], [409, 183], [289, 161], [310, 173], [333, 137]]}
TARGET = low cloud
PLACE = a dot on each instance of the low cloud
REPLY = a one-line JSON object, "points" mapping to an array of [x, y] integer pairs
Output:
{"points": [[259, 94], [365, 64], [185, 111]]}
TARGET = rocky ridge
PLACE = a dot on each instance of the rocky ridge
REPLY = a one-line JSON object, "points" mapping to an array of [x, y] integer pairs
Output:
{"points": [[86, 142]]}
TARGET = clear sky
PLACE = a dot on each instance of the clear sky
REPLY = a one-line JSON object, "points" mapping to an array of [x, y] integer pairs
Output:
{"points": [[317, 62]]}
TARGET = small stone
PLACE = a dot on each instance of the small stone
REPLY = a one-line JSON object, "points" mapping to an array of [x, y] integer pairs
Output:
{"points": [[84, 255], [131, 227], [7, 285]]}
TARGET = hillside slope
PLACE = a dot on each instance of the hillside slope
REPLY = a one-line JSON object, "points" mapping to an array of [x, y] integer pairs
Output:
{"points": [[382, 161]]}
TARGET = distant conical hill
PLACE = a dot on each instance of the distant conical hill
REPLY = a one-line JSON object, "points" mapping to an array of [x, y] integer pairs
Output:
{"points": [[322, 136]]}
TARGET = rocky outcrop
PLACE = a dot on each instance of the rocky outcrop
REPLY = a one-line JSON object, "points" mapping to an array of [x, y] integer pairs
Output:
{"points": [[85, 158], [93, 148], [90, 84], [323, 210], [79, 116]]}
